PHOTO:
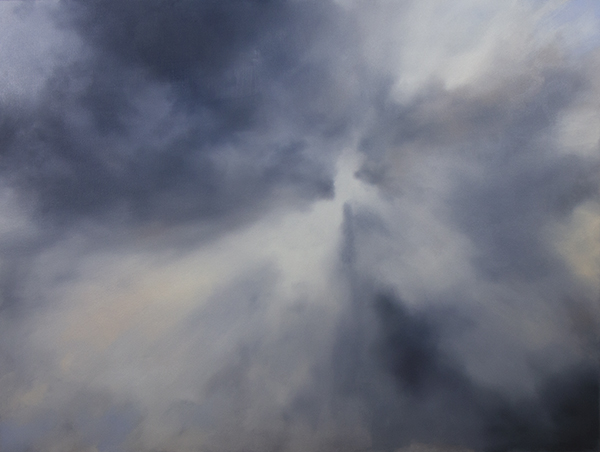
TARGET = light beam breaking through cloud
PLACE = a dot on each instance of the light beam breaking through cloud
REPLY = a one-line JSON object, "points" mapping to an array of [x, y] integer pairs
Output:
{"points": [[296, 225]]}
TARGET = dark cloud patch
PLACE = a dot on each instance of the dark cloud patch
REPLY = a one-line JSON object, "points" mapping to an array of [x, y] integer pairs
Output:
{"points": [[184, 110], [514, 181], [409, 347], [505, 212], [396, 362], [173, 39], [414, 391], [564, 416], [524, 185]]}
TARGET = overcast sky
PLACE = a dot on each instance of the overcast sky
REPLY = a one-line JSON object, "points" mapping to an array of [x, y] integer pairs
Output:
{"points": [[299, 226]]}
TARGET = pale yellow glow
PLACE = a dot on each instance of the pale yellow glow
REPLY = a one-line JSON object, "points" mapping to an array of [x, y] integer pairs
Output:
{"points": [[579, 130], [580, 244]]}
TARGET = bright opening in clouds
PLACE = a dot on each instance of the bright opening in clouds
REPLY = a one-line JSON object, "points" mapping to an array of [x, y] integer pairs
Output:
{"points": [[299, 226]]}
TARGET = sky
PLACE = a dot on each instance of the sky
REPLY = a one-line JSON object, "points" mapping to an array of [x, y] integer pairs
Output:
{"points": [[299, 226]]}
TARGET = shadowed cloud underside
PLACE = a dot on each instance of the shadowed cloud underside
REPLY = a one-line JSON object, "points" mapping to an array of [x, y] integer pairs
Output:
{"points": [[297, 225]]}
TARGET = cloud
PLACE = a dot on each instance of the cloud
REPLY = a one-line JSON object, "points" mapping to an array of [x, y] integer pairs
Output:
{"points": [[293, 225], [182, 101]]}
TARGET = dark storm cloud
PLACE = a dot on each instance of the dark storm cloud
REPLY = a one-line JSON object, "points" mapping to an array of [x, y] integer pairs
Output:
{"points": [[411, 390], [390, 358], [415, 328], [515, 181], [523, 188], [563, 416], [513, 184], [183, 110], [507, 219]]}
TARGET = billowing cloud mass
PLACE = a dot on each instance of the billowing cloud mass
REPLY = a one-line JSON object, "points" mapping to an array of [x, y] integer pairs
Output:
{"points": [[299, 226]]}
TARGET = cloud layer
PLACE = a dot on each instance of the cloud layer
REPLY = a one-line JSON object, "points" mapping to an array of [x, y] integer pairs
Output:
{"points": [[290, 225]]}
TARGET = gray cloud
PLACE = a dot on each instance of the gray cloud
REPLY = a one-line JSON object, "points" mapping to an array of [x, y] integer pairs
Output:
{"points": [[297, 226], [183, 110], [395, 360]]}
